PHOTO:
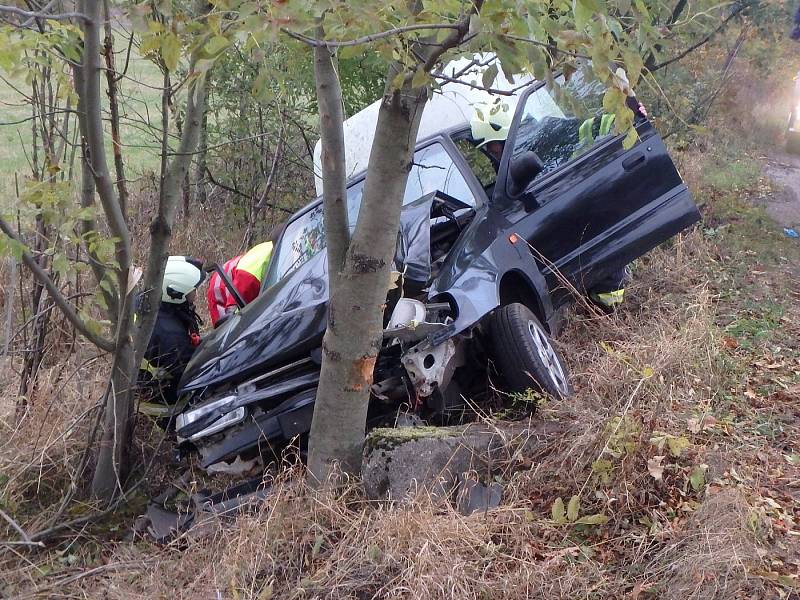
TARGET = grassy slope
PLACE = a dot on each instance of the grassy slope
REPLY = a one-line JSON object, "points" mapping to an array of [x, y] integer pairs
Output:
{"points": [[141, 102]]}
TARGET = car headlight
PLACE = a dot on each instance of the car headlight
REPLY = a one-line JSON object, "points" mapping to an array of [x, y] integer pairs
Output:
{"points": [[225, 421], [191, 416]]}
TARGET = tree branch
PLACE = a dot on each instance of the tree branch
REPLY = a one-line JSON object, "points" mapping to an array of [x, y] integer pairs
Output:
{"points": [[68, 310], [47, 114], [317, 43], [334, 191], [27, 14], [549, 47], [95, 142], [702, 42], [447, 79], [227, 188], [161, 227]]}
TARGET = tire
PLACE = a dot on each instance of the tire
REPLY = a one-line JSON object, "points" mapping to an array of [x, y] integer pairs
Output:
{"points": [[523, 353]]}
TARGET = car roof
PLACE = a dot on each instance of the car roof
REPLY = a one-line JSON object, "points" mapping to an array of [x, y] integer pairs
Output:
{"points": [[450, 108]]}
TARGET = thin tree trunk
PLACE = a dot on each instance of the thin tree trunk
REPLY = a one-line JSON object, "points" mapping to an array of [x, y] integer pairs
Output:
{"points": [[112, 453], [334, 192], [111, 80], [355, 321], [200, 192], [88, 224], [161, 227]]}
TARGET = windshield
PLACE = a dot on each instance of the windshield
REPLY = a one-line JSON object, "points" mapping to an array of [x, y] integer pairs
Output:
{"points": [[433, 170]]}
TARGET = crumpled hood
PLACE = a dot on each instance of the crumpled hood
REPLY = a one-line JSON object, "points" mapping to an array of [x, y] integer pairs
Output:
{"points": [[284, 322], [288, 320]]}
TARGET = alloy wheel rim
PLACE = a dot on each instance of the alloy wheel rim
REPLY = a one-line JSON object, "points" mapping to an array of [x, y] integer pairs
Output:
{"points": [[547, 355]]}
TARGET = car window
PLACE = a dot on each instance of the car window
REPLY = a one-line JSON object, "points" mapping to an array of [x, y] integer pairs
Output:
{"points": [[478, 161], [301, 240], [433, 170], [549, 125]]}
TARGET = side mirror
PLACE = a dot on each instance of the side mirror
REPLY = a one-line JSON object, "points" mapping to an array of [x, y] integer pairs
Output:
{"points": [[524, 169]]}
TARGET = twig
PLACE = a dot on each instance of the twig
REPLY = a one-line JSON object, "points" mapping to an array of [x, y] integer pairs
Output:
{"points": [[27, 14], [495, 91], [366, 38], [25, 537], [550, 47], [706, 39], [26, 119], [242, 194], [69, 312]]}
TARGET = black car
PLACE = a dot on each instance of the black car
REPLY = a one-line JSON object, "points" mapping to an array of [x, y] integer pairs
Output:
{"points": [[488, 253]]}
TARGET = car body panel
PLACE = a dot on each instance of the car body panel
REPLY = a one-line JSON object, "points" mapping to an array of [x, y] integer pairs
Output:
{"points": [[597, 212]]}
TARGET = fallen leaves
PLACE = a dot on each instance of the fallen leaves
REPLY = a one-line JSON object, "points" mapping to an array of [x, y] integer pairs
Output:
{"points": [[696, 425], [655, 468]]}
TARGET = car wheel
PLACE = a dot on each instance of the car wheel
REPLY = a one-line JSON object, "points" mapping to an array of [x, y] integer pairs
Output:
{"points": [[524, 353]]}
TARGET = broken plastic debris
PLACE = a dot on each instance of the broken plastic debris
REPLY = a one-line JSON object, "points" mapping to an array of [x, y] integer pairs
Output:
{"points": [[791, 232]]}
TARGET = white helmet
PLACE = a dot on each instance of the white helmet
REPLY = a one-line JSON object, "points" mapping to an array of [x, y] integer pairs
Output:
{"points": [[182, 276], [491, 122]]}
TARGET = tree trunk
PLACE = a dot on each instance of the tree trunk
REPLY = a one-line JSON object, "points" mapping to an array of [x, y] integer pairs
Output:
{"points": [[116, 142], [355, 320], [200, 192], [111, 459], [161, 227], [334, 191], [358, 290], [113, 455]]}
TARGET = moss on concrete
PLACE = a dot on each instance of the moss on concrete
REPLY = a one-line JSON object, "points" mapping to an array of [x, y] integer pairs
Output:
{"points": [[388, 438]]}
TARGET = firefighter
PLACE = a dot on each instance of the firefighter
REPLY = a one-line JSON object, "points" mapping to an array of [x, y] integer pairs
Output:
{"points": [[246, 272], [176, 333]]}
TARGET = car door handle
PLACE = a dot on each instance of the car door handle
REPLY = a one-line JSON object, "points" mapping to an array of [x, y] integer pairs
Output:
{"points": [[634, 161]]}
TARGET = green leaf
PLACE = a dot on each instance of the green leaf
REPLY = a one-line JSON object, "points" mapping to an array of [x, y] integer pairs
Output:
{"points": [[420, 78], [573, 508], [557, 512], [677, 445], [106, 284], [628, 143], [613, 101], [603, 468], [398, 80], [60, 264], [698, 477], [583, 14], [598, 519], [489, 75], [216, 45], [170, 50]]}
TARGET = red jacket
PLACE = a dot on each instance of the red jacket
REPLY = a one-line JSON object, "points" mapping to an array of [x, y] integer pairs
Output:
{"points": [[246, 272]]}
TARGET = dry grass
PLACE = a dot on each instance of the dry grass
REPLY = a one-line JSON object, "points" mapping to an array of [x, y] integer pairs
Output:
{"points": [[643, 371]]}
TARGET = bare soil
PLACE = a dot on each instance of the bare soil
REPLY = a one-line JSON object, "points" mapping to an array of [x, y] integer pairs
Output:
{"points": [[784, 205]]}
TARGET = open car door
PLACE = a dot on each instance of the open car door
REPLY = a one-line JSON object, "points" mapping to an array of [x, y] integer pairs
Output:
{"points": [[588, 207]]}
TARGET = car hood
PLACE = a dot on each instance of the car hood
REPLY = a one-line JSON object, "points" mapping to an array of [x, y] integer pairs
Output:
{"points": [[285, 321], [288, 319]]}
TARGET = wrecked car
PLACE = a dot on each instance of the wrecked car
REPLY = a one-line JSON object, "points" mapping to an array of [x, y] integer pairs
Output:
{"points": [[486, 255]]}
